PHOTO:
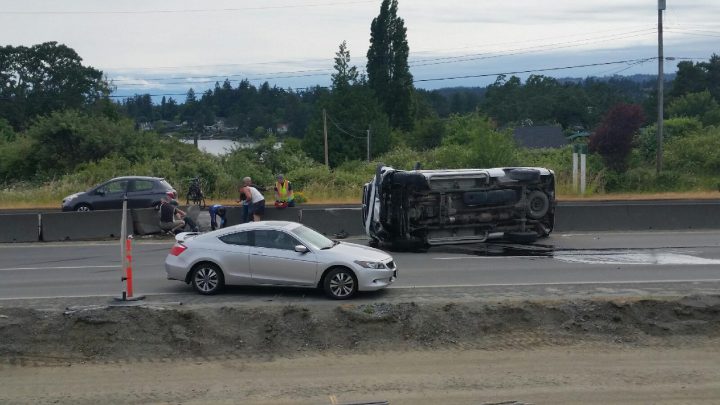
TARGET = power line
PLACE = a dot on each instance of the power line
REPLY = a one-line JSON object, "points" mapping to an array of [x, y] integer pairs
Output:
{"points": [[342, 130], [188, 11], [579, 42], [536, 70], [521, 51], [325, 60]]}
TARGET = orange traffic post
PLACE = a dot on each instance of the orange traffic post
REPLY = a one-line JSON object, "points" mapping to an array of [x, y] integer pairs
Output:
{"points": [[128, 269]]}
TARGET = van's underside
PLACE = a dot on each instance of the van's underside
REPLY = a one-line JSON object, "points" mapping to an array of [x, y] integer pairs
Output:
{"points": [[459, 206]]}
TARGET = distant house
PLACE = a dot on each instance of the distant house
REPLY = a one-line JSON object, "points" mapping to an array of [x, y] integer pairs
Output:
{"points": [[281, 129], [544, 136]]}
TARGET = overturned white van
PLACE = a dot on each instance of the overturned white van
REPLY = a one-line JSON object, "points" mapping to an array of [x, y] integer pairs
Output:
{"points": [[437, 207]]}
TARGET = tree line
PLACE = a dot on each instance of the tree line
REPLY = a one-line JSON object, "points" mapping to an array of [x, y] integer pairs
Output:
{"points": [[46, 79]]}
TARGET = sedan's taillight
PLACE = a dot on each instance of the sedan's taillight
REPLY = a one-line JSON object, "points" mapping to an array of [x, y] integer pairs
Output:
{"points": [[177, 249]]}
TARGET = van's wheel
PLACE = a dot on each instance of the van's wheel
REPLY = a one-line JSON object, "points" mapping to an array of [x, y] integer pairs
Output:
{"points": [[340, 284], [521, 237], [207, 279], [538, 204]]}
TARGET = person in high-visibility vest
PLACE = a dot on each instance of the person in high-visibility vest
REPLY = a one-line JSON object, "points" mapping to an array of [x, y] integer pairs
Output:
{"points": [[283, 193]]}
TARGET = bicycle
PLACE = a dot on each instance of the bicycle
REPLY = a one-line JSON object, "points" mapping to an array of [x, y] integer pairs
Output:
{"points": [[195, 194]]}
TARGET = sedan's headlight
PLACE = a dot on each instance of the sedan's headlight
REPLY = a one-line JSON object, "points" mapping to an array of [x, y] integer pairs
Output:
{"points": [[69, 198], [370, 265]]}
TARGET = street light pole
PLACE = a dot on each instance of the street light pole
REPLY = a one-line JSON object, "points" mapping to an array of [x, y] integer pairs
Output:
{"points": [[660, 84]]}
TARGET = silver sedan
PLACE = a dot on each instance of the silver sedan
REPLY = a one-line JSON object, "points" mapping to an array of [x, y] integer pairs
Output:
{"points": [[277, 253]]}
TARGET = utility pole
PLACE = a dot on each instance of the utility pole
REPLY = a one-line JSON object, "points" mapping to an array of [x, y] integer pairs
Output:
{"points": [[660, 83], [327, 163], [368, 143]]}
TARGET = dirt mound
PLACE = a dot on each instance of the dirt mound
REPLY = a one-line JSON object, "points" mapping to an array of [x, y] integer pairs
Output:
{"points": [[101, 333]]}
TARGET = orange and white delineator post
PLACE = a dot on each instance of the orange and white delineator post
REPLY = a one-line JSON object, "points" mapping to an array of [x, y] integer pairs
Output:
{"points": [[128, 267], [126, 260]]}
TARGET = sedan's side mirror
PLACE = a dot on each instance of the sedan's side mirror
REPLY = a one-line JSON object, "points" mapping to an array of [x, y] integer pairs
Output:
{"points": [[100, 192], [301, 249]]}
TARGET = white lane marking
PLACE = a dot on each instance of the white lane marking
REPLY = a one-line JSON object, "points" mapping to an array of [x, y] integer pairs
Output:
{"points": [[706, 280], [43, 245], [615, 258], [490, 257], [606, 257], [60, 267]]}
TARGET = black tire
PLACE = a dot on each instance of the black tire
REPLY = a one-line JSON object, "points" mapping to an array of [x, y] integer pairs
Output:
{"points": [[538, 204], [83, 208], [340, 284], [530, 175], [521, 237], [207, 278]]}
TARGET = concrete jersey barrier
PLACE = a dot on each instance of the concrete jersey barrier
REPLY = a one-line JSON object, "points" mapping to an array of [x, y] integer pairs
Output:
{"points": [[19, 228], [569, 216], [62, 226], [637, 216]]}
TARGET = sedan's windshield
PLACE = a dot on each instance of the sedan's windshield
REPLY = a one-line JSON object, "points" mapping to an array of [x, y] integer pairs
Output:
{"points": [[313, 238]]}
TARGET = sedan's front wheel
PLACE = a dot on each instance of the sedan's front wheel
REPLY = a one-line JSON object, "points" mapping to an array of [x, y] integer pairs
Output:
{"points": [[207, 279], [340, 284]]}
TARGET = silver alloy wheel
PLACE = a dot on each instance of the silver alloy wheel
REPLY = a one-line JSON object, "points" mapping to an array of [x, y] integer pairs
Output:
{"points": [[83, 208], [206, 279], [342, 284]]}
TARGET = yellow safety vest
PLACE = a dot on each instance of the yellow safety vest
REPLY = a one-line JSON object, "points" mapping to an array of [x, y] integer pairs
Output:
{"points": [[283, 190]]}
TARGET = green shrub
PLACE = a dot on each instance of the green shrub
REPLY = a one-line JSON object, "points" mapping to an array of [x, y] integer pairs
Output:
{"points": [[698, 153], [646, 140]]}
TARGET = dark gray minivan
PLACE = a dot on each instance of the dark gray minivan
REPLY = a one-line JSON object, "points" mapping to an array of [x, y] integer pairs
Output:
{"points": [[142, 192]]}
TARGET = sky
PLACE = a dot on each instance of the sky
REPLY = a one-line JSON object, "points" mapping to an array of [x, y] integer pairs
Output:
{"points": [[165, 47]]}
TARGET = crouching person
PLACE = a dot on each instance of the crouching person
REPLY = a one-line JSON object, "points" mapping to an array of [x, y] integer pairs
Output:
{"points": [[171, 217], [217, 216]]}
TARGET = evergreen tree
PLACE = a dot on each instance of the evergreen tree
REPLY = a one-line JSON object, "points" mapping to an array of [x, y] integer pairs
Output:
{"points": [[345, 75], [351, 109], [387, 66]]}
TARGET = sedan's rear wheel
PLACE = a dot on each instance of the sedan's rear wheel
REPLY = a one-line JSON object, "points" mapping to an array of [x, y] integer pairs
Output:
{"points": [[207, 279], [340, 284]]}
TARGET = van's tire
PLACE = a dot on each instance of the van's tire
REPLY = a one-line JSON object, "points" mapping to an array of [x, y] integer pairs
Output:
{"points": [[538, 204], [521, 237]]}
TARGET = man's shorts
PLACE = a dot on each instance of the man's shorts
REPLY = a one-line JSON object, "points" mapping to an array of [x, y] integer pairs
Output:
{"points": [[258, 208], [169, 226]]}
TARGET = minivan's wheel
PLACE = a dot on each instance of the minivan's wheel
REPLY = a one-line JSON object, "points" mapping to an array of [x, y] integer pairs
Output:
{"points": [[538, 204], [340, 284], [83, 208], [207, 279]]}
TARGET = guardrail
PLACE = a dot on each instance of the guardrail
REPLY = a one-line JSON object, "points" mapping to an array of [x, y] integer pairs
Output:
{"points": [[569, 216]]}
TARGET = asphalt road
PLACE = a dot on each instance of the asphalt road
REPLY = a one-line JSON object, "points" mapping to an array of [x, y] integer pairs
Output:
{"points": [[657, 262]]}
